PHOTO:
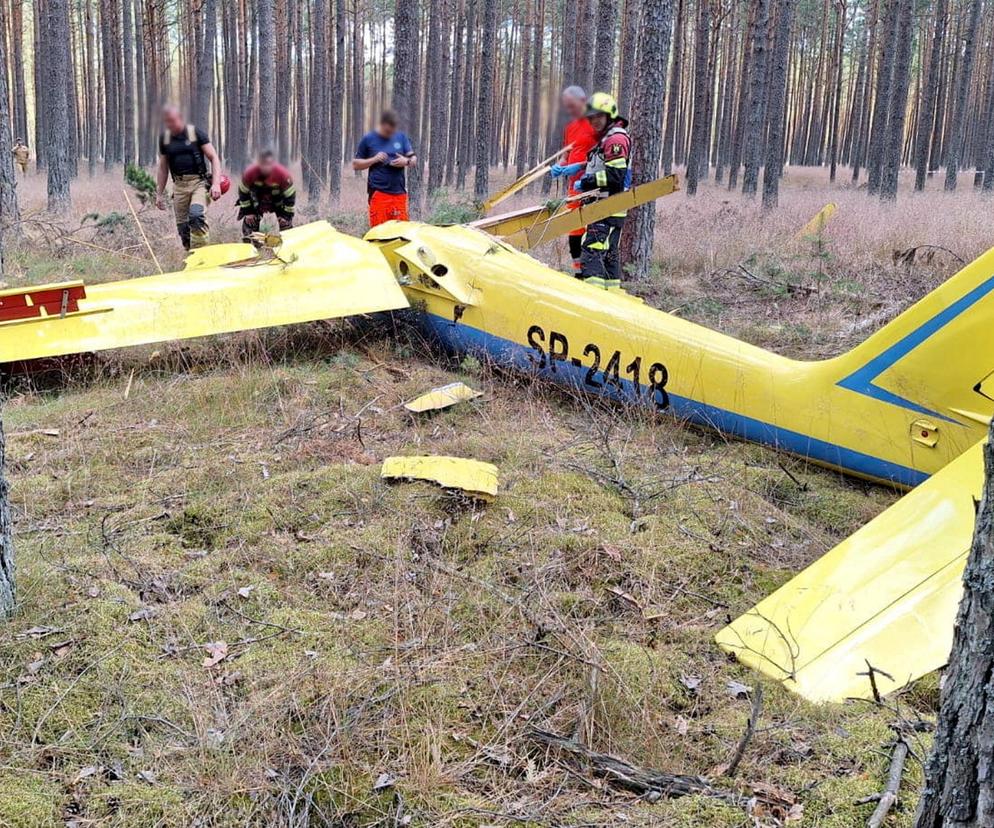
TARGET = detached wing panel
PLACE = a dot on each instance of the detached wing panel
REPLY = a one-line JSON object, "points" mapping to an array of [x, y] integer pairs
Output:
{"points": [[887, 595], [329, 275]]}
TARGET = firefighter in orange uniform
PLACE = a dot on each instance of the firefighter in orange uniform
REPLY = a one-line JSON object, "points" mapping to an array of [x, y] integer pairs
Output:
{"points": [[580, 137]]}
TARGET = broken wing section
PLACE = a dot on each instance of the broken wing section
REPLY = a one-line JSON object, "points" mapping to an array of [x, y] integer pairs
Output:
{"points": [[886, 596], [320, 274]]}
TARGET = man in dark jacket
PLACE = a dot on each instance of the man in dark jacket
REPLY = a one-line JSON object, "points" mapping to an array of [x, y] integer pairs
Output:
{"points": [[266, 187]]}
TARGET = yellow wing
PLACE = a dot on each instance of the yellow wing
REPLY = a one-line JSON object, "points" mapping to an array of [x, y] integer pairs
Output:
{"points": [[321, 274]]}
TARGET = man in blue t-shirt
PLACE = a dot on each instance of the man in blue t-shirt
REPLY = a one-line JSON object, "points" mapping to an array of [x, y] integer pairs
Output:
{"points": [[386, 153]]}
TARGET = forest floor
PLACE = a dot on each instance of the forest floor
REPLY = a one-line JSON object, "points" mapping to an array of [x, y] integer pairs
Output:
{"points": [[227, 618]]}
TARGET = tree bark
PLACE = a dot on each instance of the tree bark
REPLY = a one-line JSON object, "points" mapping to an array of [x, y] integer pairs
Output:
{"points": [[607, 24], [9, 210], [702, 90], [205, 66], [758, 94], [485, 99], [59, 76], [406, 81], [881, 102], [779, 65], [894, 136], [962, 95], [267, 73], [672, 98], [316, 157], [926, 115], [655, 34], [128, 86], [959, 784], [337, 113]]}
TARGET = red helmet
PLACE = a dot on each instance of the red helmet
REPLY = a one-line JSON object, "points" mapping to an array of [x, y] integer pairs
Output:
{"points": [[224, 183]]}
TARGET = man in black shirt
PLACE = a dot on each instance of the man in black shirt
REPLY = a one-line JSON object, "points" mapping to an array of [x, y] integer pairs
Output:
{"points": [[184, 153]]}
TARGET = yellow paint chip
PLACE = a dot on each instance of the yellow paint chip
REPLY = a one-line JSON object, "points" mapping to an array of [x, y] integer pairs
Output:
{"points": [[442, 397], [473, 477]]}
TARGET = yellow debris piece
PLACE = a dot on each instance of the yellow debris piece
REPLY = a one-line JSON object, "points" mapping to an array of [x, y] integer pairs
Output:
{"points": [[323, 274], [817, 224], [887, 596], [472, 477], [442, 397]]}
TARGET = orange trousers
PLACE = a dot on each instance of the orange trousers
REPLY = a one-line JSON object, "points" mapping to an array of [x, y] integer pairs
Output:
{"points": [[387, 207]]}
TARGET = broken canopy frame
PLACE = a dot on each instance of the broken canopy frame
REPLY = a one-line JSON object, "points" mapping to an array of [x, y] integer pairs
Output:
{"points": [[534, 174], [527, 229]]}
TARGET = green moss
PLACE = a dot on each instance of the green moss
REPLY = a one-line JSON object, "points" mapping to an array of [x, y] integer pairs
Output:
{"points": [[28, 800]]}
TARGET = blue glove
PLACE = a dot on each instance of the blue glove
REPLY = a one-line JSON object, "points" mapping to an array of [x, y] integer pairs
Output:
{"points": [[558, 170]]}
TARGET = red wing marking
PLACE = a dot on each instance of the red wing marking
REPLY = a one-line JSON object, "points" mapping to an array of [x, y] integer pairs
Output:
{"points": [[40, 301]]}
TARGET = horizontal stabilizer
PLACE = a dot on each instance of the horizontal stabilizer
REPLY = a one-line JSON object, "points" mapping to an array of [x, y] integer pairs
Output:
{"points": [[320, 274], [886, 596]]}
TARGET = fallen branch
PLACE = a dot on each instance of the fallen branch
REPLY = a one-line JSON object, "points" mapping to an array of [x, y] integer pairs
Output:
{"points": [[652, 784], [889, 795]]}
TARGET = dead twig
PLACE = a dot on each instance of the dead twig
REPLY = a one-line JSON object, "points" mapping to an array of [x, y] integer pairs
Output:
{"points": [[751, 724], [141, 230]]}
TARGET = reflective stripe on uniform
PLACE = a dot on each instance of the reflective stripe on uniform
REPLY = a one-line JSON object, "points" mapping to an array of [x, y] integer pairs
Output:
{"points": [[594, 281], [600, 177]]}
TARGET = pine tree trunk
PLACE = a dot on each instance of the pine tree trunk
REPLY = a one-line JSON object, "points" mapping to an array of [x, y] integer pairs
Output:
{"points": [[406, 81], [698, 156], [112, 86], [893, 145], [7, 592], [606, 26], [630, 25], [538, 34], [962, 94], [881, 102], [267, 74], [9, 210], [673, 95], [20, 123], [439, 79], [926, 115], [469, 76], [959, 785], [758, 94], [525, 93], [59, 76], [337, 104], [586, 27], [779, 66], [315, 158], [485, 99], [128, 86], [205, 66], [655, 34]]}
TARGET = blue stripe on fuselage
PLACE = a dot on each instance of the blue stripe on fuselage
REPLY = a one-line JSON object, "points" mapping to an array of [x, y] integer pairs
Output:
{"points": [[862, 380], [464, 338]]}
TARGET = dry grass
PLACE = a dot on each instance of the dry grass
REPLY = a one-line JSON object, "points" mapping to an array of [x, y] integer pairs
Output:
{"points": [[234, 495]]}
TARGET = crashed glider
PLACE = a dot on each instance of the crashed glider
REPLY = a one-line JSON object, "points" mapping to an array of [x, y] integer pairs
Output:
{"points": [[898, 408]]}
